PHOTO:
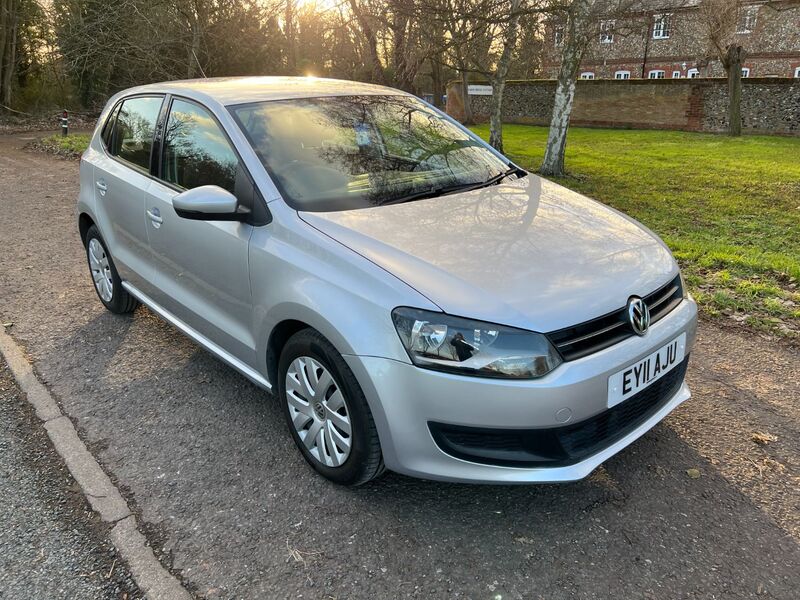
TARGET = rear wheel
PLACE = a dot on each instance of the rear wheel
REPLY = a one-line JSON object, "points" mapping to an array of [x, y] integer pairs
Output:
{"points": [[106, 280], [326, 411]]}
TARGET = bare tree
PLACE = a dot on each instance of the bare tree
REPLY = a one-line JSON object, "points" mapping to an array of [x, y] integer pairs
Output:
{"points": [[720, 20], [368, 23], [578, 19], [482, 38], [498, 77], [578, 16]]}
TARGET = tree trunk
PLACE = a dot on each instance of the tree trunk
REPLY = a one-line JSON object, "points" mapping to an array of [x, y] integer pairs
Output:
{"points": [[574, 46], [3, 35], [194, 50], [10, 54], [499, 78], [437, 83], [371, 41], [399, 29], [198, 15], [467, 104], [291, 38], [733, 65]]}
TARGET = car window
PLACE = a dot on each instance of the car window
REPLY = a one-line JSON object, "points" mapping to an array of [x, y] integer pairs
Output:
{"points": [[133, 130], [196, 151], [349, 152], [108, 128]]}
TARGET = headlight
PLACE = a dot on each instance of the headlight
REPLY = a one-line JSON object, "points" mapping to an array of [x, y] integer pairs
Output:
{"points": [[444, 343]]}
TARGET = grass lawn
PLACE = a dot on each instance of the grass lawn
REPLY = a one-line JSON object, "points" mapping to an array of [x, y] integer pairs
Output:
{"points": [[729, 208], [71, 145]]}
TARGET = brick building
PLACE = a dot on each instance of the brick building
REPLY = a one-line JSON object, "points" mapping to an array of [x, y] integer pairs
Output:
{"points": [[670, 42]]}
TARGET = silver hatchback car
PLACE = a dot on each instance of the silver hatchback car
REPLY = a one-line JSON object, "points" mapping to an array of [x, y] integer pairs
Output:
{"points": [[414, 299]]}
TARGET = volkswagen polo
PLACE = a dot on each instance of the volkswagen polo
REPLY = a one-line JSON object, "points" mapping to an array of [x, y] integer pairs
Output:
{"points": [[414, 299]]}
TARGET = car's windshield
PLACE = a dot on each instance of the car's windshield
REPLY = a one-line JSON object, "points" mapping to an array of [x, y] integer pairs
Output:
{"points": [[345, 152]]}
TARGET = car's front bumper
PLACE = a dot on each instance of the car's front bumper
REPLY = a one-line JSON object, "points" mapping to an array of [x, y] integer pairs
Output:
{"points": [[404, 399]]}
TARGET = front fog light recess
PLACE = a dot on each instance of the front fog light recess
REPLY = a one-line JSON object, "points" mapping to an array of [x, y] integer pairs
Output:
{"points": [[446, 343]]}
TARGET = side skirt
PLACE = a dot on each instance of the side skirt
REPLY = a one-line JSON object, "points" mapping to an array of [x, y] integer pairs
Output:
{"points": [[200, 339]]}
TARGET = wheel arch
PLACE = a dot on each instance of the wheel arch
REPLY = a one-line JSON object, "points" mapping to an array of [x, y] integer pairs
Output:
{"points": [[85, 221], [278, 337]]}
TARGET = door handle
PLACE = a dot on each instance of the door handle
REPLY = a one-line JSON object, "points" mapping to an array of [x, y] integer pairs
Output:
{"points": [[155, 217], [101, 185]]}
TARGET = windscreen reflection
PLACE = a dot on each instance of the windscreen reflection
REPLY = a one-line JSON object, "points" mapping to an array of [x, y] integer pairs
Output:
{"points": [[346, 152]]}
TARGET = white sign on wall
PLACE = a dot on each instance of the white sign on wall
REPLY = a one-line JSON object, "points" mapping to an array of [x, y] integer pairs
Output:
{"points": [[479, 90]]}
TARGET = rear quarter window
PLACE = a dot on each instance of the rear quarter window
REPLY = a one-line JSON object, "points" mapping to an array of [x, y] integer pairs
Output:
{"points": [[108, 127], [135, 123]]}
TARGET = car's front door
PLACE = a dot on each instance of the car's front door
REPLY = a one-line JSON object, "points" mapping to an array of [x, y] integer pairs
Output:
{"points": [[121, 176], [201, 267]]}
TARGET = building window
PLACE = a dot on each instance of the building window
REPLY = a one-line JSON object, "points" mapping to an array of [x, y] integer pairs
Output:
{"points": [[558, 35], [587, 75], [745, 71], [692, 73], [622, 75], [747, 19], [661, 26], [676, 74], [607, 32], [656, 74], [797, 72]]}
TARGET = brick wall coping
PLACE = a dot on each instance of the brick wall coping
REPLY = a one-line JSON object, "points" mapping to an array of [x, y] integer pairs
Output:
{"points": [[665, 81]]}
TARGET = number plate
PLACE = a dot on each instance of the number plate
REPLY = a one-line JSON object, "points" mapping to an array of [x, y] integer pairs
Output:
{"points": [[624, 384]]}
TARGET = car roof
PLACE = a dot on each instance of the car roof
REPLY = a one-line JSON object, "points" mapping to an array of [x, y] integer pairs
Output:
{"points": [[242, 90]]}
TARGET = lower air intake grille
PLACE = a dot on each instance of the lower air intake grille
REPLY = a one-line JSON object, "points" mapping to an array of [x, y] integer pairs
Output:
{"points": [[558, 446]]}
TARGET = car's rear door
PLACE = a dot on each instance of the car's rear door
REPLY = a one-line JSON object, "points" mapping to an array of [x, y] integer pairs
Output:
{"points": [[201, 267], [121, 176]]}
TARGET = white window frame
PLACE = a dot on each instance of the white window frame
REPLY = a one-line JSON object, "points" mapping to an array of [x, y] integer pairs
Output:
{"points": [[653, 74], [661, 26], [746, 20], [797, 72], [622, 75], [692, 73], [745, 71], [588, 75], [607, 31], [676, 74]]}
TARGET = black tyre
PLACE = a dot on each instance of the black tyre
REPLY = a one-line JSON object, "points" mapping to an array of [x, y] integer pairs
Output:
{"points": [[326, 411], [104, 274]]}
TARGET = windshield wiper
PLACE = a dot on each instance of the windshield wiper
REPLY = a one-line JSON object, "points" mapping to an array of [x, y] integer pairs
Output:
{"points": [[434, 192]]}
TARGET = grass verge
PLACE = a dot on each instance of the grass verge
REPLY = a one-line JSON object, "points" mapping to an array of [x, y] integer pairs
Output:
{"points": [[70, 146], [728, 207]]}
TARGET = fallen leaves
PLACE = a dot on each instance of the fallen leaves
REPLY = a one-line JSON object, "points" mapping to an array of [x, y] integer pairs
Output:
{"points": [[762, 439]]}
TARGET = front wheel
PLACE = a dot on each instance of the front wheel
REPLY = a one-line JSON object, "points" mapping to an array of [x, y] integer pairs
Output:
{"points": [[326, 411], [106, 280]]}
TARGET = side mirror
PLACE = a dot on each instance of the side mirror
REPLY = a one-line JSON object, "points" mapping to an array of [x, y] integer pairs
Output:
{"points": [[208, 203]]}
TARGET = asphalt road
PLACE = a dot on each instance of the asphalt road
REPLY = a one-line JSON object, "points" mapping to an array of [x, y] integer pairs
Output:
{"points": [[51, 544], [230, 506]]}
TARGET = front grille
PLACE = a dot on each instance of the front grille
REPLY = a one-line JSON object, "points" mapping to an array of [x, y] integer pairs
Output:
{"points": [[591, 336], [558, 446]]}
